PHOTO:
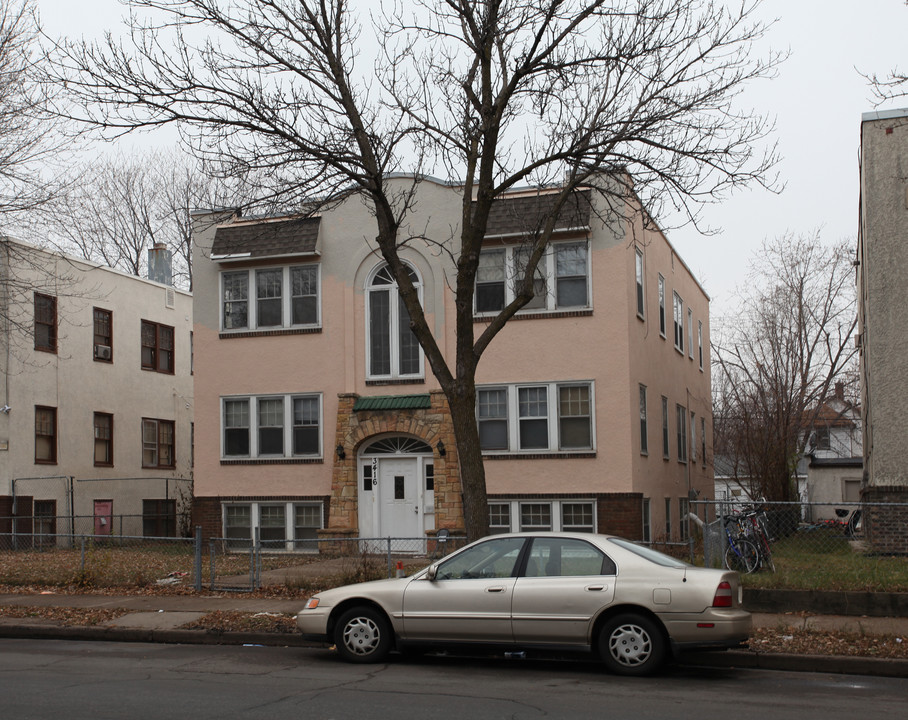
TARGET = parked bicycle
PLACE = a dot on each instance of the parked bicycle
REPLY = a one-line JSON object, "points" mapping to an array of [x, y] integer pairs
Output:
{"points": [[749, 543]]}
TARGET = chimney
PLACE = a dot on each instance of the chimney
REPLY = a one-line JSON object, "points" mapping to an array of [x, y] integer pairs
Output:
{"points": [[840, 391], [160, 266]]}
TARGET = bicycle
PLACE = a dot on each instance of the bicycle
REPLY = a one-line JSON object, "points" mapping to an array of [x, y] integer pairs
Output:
{"points": [[741, 555]]}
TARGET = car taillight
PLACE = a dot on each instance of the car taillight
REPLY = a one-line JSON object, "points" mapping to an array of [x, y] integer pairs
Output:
{"points": [[723, 597]]}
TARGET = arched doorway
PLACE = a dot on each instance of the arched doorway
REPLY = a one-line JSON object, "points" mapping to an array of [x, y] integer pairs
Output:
{"points": [[396, 491]]}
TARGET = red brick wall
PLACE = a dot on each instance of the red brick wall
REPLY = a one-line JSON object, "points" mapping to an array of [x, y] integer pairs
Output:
{"points": [[621, 514]]}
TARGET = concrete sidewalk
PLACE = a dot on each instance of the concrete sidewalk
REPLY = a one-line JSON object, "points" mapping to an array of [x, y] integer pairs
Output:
{"points": [[160, 618]]}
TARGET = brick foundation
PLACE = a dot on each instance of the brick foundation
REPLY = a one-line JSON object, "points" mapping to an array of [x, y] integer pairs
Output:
{"points": [[886, 528]]}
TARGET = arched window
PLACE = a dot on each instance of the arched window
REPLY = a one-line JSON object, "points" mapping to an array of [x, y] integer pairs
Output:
{"points": [[392, 349]]}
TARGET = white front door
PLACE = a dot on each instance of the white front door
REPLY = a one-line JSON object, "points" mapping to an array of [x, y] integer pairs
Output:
{"points": [[399, 501]]}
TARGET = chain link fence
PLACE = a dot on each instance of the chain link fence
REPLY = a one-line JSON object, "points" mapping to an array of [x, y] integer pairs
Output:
{"points": [[222, 564]]}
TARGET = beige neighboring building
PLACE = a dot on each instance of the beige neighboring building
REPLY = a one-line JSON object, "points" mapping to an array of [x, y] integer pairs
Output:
{"points": [[317, 414], [882, 262], [96, 403]]}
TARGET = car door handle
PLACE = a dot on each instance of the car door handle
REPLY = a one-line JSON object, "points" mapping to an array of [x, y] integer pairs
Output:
{"points": [[594, 588], [495, 589]]}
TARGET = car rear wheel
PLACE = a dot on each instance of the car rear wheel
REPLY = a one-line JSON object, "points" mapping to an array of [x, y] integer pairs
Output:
{"points": [[632, 644], [363, 635]]}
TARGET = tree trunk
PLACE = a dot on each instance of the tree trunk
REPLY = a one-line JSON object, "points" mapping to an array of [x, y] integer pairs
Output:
{"points": [[472, 470]]}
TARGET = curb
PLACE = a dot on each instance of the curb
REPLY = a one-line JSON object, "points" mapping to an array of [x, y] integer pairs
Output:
{"points": [[836, 664]]}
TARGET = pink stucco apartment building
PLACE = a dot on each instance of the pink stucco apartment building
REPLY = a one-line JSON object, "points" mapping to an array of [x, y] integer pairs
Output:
{"points": [[317, 414]]}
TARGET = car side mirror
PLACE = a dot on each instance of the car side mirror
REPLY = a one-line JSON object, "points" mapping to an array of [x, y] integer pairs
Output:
{"points": [[432, 572]]}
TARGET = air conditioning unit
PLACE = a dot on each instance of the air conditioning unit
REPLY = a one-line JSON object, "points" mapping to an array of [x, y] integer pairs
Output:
{"points": [[102, 352]]}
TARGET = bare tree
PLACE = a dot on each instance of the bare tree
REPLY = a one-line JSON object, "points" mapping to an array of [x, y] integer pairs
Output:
{"points": [[28, 140], [115, 209], [888, 87], [635, 98], [776, 358]]}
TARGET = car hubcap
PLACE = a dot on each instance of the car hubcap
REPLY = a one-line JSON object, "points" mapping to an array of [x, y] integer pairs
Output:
{"points": [[630, 645], [361, 636]]}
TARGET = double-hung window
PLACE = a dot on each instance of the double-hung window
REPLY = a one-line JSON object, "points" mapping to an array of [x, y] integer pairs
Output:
{"points": [[644, 448], [103, 427], [665, 434], [679, 322], [690, 333], [271, 426], [560, 279], [282, 297], [102, 321], [638, 271], [392, 349], [681, 416], [45, 435], [157, 347], [535, 417], [700, 342], [157, 443], [661, 305], [45, 323]]}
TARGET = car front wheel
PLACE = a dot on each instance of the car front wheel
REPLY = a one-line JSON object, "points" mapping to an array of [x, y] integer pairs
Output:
{"points": [[632, 644], [363, 635]]}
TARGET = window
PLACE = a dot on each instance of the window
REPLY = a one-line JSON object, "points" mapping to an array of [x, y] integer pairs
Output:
{"points": [[559, 515], [285, 297], [45, 435], [647, 521], [548, 416], [690, 333], [681, 417], [392, 348], [103, 335], [280, 426], [157, 443], [822, 438], [238, 522], [159, 518], [268, 300], [639, 279], [700, 342], [307, 522], [577, 517], [643, 441], [45, 522], [683, 520], [103, 439], [563, 557], [668, 518], [535, 517], [661, 305], [703, 441], [665, 436], [271, 426], [493, 558], [272, 523], [679, 322], [499, 518], [157, 347], [45, 323], [693, 437], [235, 289], [566, 263]]}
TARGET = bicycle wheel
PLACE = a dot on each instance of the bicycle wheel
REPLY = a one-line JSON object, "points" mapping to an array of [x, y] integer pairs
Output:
{"points": [[742, 556]]}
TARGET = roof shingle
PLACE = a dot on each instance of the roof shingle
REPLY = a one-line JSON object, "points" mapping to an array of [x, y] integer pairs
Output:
{"points": [[526, 214], [268, 238]]}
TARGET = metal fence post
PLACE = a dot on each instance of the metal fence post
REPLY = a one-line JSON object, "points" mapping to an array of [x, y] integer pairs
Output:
{"points": [[389, 557], [197, 566]]}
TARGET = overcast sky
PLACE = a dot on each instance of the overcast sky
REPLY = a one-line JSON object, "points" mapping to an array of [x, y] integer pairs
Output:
{"points": [[817, 100]]}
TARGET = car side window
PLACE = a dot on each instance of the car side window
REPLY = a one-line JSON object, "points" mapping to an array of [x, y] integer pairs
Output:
{"points": [[491, 559], [565, 557]]}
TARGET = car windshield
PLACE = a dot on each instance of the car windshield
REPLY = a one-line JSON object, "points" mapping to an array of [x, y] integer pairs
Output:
{"points": [[649, 554]]}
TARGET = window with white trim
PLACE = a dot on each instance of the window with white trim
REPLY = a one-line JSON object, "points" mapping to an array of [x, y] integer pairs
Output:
{"points": [[665, 435], [638, 271], [679, 322], [681, 418], [565, 264], [703, 441], [690, 333], [392, 350], [534, 417], [567, 515], [661, 305], [644, 448], [283, 297], [282, 525], [693, 437], [700, 342], [271, 426]]}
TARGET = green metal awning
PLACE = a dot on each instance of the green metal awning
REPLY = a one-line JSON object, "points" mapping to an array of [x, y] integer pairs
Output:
{"points": [[393, 402]]}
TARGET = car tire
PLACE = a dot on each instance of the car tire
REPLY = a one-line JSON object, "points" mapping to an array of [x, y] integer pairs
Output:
{"points": [[632, 644], [363, 635]]}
